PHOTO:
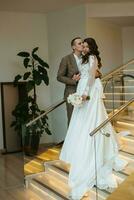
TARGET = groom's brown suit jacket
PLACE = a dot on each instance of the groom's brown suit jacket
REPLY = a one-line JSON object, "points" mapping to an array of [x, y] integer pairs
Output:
{"points": [[68, 67]]}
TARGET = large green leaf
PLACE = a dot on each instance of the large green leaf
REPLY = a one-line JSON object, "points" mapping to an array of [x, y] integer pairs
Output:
{"points": [[26, 75], [41, 62], [34, 50], [26, 61], [38, 81], [42, 70], [45, 79], [30, 85], [37, 77], [23, 54], [48, 131], [16, 79]]}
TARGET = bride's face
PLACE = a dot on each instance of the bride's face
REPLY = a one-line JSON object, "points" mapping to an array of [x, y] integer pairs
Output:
{"points": [[85, 48]]}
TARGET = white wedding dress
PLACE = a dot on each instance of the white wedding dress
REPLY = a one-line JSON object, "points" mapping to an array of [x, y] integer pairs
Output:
{"points": [[78, 149]]}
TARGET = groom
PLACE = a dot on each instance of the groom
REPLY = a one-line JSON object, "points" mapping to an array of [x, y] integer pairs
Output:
{"points": [[68, 72]]}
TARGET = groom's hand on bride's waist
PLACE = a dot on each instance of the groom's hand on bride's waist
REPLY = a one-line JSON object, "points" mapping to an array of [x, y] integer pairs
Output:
{"points": [[76, 77]]}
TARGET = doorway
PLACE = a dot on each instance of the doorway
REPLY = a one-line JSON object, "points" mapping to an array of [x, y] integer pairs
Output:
{"points": [[10, 96]]}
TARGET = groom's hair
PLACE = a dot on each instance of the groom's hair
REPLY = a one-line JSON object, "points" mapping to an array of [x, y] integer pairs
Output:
{"points": [[73, 40]]}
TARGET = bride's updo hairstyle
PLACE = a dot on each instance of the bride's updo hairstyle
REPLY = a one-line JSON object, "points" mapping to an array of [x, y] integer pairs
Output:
{"points": [[93, 50]]}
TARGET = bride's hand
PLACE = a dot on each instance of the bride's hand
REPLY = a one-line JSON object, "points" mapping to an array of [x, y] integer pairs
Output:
{"points": [[84, 97]]}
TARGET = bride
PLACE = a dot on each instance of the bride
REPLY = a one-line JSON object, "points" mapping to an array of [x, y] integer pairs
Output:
{"points": [[78, 148]]}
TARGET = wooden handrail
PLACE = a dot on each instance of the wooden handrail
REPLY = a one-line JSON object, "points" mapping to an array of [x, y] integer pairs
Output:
{"points": [[49, 109]]}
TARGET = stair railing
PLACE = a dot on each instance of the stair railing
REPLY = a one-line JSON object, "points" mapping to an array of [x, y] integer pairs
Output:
{"points": [[96, 130]]}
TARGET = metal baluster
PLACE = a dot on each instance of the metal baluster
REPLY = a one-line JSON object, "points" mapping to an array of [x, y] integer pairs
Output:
{"points": [[113, 91], [95, 166]]}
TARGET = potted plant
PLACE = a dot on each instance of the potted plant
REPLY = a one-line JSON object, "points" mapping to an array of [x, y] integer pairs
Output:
{"points": [[28, 109]]}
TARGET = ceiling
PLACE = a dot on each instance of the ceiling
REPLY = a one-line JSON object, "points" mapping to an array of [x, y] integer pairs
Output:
{"points": [[120, 21], [46, 6]]}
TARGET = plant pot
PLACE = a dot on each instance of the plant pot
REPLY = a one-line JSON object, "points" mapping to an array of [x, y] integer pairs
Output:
{"points": [[31, 144]]}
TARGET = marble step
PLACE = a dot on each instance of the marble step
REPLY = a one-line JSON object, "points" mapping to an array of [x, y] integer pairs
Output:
{"points": [[46, 184], [60, 190], [116, 101], [110, 110], [36, 194], [33, 165], [125, 86], [56, 188], [59, 169], [129, 111], [127, 144], [122, 125], [19, 193], [122, 90], [128, 81], [129, 70], [127, 118], [110, 103], [130, 159], [52, 184], [120, 129], [118, 95]]}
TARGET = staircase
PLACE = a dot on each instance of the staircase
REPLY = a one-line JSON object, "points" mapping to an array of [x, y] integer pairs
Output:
{"points": [[51, 182]]}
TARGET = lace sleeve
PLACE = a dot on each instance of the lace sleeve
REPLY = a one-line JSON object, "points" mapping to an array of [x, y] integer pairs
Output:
{"points": [[91, 78]]}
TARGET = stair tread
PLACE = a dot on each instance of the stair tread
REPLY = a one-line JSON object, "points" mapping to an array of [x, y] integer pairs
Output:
{"points": [[48, 179], [64, 189], [43, 193], [119, 128], [37, 197], [125, 172], [129, 138], [59, 169], [54, 183], [127, 118], [125, 121], [119, 93]]}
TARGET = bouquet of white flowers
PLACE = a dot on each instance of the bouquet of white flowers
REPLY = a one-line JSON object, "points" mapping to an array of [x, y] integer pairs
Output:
{"points": [[75, 99]]}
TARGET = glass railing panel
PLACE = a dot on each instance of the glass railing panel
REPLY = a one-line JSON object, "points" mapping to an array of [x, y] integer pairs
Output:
{"points": [[115, 140]]}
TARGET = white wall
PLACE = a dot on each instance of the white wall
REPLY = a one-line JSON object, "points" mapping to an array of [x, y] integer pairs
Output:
{"points": [[63, 26], [22, 31], [128, 43], [109, 39], [1, 128], [110, 9]]}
